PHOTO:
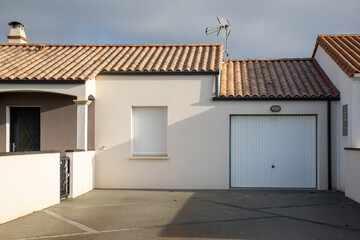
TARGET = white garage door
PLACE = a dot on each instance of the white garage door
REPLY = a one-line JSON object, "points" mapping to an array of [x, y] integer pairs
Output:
{"points": [[273, 151]]}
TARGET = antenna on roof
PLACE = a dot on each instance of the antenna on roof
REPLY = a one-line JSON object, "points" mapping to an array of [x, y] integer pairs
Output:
{"points": [[222, 31]]}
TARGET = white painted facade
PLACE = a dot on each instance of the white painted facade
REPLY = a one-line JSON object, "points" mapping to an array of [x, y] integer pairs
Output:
{"points": [[350, 95], [344, 85], [28, 183], [198, 132]]}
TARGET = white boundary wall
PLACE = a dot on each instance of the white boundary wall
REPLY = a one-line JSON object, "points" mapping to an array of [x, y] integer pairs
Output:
{"points": [[28, 183], [352, 179], [82, 172]]}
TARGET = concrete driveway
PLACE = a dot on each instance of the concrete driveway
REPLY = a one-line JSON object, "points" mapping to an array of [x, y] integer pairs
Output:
{"points": [[142, 214]]}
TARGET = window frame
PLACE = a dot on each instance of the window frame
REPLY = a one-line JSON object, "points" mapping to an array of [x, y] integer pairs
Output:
{"points": [[134, 152]]}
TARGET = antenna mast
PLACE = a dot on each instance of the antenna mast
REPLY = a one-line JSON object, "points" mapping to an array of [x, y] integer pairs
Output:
{"points": [[223, 31]]}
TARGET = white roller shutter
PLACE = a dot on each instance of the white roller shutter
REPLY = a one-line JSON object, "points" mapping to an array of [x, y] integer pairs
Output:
{"points": [[149, 131], [273, 151]]}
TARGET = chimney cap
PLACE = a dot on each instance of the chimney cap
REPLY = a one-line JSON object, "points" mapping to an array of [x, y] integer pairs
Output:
{"points": [[15, 24]]}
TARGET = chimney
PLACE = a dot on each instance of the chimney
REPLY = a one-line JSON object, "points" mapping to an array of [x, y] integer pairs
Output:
{"points": [[17, 33]]}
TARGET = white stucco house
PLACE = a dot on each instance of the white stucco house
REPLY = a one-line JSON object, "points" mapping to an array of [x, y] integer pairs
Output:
{"points": [[180, 116]]}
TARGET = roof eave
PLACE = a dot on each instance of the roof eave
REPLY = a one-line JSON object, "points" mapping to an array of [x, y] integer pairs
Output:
{"points": [[337, 98], [42, 81], [163, 73]]}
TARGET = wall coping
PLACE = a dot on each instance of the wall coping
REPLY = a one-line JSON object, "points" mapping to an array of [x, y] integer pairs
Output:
{"points": [[352, 149], [27, 153], [75, 150], [78, 150]]}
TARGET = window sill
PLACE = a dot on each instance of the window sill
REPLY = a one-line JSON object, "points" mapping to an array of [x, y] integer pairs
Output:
{"points": [[149, 158]]}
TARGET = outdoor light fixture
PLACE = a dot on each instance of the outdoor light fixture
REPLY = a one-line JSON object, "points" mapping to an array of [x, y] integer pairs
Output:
{"points": [[275, 108]]}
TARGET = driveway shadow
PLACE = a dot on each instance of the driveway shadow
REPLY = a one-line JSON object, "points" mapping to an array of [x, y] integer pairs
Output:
{"points": [[266, 215]]}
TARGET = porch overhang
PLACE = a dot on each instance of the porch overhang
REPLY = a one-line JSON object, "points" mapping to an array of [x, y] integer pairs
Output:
{"points": [[82, 90]]}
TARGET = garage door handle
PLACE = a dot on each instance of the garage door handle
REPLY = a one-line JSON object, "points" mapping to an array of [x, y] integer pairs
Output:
{"points": [[272, 166]]}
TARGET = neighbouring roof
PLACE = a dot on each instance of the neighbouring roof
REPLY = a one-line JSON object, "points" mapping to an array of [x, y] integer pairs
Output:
{"points": [[343, 49], [85, 61], [275, 78]]}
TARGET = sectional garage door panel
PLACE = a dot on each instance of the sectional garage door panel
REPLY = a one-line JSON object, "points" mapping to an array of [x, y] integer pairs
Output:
{"points": [[273, 151]]}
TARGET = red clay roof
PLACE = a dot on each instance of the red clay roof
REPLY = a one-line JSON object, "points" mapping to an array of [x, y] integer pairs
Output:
{"points": [[275, 78], [85, 61], [343, 49]]}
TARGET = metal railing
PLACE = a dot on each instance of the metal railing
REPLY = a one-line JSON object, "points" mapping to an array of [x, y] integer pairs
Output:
{"points": [[64, 177]]}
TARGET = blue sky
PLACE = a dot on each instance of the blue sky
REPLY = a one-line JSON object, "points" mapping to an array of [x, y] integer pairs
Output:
{"points": [[259, 28]]}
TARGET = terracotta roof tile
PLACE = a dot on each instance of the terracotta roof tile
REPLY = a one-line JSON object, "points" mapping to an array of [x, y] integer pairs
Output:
{"points": [[275, 78], [85, 61], [343, 49]]}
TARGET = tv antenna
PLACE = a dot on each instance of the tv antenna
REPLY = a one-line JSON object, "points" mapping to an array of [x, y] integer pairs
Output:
{"points": [[223, 31]]}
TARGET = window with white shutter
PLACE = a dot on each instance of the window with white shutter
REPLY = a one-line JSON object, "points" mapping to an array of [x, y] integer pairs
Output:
{"points": [[149, 130]]}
